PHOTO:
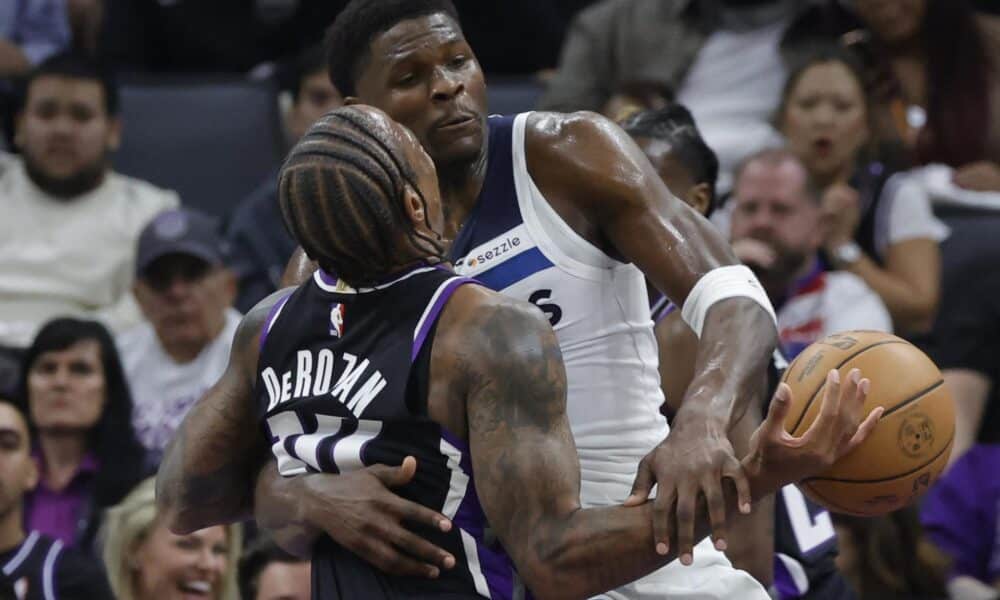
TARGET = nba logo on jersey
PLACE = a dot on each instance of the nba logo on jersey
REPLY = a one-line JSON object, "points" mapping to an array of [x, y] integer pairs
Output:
{"points": [[337, 320]]}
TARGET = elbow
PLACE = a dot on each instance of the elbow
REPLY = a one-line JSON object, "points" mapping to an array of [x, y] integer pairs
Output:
{"points": [[170, 509]]}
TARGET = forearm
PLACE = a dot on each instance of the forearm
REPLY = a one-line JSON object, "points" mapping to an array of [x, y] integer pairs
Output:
{"points": [[911, 307], [12, 60], [734, 350], [207, 474], [594, 550], [279, 510]]}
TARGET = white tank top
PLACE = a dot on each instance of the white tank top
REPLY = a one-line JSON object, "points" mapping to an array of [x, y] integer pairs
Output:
{"points": [[516, 243]]}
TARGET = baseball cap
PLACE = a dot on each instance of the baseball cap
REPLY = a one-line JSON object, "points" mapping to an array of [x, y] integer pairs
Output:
{"points": [[180, 231]]}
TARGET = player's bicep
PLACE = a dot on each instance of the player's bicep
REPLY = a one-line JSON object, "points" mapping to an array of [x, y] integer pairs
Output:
{"points": [[523, 455]]}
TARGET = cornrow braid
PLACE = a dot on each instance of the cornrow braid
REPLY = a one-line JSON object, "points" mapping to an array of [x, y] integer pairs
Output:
{"points": [[340, 191]]}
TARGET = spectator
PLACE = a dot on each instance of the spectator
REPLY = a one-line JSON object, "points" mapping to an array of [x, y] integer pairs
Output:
{"points": [[67, 238], [85, 17], [33, 565], [259, 244], [889, 557], [145, 561], [935, 68], [30, 32], [269, 573], [777, 229], [74, 390], [882, 231], [723, 58], [186, 294]]}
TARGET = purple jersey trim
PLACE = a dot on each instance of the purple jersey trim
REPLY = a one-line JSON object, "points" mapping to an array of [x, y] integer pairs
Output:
{"points": [[448, 288], [271, 316]]}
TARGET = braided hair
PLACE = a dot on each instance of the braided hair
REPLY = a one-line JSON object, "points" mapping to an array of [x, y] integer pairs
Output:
{"points": [[339, 192]]}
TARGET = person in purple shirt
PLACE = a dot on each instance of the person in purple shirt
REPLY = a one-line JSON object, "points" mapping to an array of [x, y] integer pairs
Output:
{"points": [[961, 515], [74, 391]]}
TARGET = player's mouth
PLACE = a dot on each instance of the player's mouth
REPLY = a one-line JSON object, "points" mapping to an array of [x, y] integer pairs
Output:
{"points": [[456, 123]]}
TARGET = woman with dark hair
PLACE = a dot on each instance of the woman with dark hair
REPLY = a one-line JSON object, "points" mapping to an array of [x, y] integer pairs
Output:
{"points": [[80, 412], [935, 68], [878, 227]]}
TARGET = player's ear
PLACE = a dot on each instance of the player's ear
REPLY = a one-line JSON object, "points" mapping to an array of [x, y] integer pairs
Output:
{"points": [[413, 205], [700, 198]]}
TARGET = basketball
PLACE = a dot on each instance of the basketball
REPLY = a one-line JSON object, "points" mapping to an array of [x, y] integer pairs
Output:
{"points": [[910, 445]]}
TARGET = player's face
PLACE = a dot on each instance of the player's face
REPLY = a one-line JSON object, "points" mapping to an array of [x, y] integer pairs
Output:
{"points": [[181, 567], [66, 134], [284, 581], [677, 179], [17, 470], [893, 21], [771, 206], [427, 179], [423, 73], [317, 96], [185, 299], [825, 119], [66, 388]]}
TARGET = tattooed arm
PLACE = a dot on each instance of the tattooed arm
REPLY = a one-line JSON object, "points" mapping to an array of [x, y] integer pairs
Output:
{"points": [[207, 474], [526, 468]]}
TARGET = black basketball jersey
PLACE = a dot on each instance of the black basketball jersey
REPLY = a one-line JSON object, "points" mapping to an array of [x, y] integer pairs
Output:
{"points": [[41, 568], [342, 384]]}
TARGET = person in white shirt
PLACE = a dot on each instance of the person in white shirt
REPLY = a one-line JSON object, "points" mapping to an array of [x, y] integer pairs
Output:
{"points": [[67, 239], [778, 229], [69, 226], [186, 294]]}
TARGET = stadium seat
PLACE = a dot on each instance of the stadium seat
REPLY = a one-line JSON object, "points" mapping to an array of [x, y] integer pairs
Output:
{"points": [[211, 139]]}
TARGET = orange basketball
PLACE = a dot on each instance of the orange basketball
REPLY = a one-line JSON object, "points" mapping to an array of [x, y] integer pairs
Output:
{"points": [[911, 443]]}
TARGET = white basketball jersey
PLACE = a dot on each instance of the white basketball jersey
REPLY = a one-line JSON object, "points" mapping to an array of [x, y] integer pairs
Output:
{"points": [[515, 243]]}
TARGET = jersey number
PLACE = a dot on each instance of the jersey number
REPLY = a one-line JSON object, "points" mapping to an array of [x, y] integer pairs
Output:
{"points": [[551, 310], [811, 531]]}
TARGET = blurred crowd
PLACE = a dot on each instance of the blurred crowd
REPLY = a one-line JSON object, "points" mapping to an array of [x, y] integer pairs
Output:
{"points": [[849, 148]]}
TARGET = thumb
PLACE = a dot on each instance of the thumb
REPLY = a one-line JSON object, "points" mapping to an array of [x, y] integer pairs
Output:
{"points": [[641, 486], [780, 405], [395, 476]]}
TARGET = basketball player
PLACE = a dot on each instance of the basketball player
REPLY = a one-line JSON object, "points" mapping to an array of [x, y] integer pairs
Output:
{"points": [[401, 358], [804, 541], [565, 212]]}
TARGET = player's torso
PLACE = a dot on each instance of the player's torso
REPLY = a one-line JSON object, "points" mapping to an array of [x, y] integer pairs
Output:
{"points": [[342, 385], [515, 243]]}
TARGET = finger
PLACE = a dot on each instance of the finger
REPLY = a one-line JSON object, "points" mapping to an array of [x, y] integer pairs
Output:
{"points": [[416, 547], [686, 510], [664, 501], [865, 429], [411, 512], [734, 471], [395, 476], [390, 560], [825, 423], [774, 424], [852, 402], [716, 504], [642, 485]]}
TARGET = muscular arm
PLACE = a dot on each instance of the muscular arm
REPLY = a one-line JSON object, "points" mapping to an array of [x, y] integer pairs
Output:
{"points": [[207, 474], [590, 169], [526, 466]]}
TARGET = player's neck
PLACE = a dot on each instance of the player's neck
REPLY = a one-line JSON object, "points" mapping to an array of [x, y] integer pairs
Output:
{"points": [[460, 186], [12, 528]]}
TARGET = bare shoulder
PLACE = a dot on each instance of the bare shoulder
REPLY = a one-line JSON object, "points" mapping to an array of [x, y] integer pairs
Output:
{"points": [[548, 128], [480, 322]]}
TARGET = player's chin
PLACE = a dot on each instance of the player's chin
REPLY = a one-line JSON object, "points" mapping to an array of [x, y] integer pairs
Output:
{"points": [[457, 151]]}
